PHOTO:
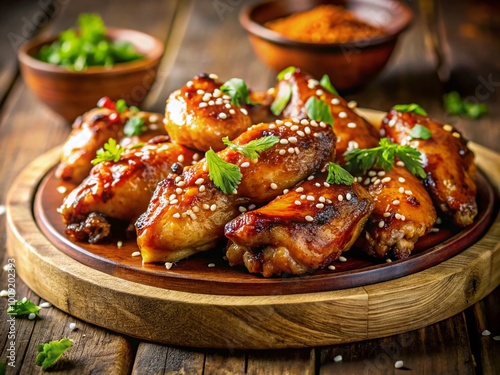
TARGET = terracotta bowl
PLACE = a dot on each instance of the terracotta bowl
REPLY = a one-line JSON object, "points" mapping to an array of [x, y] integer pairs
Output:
{"points": [[349, 65], [71, 93]]}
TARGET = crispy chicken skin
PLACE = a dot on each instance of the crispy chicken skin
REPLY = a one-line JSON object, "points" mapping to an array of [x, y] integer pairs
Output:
{"points": [[121, 190], [301, 231], [91, 131], [187, 213], [352, 130], [403, 213], [199, 115], [448, 162]]}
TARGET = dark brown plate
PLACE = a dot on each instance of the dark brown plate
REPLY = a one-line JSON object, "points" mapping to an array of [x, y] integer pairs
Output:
{"points": [[196, 276]]}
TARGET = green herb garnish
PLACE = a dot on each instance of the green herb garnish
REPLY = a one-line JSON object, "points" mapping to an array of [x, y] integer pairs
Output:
{"points": [[318, 110], [252, 149], [237, 89], [455, 105], [287, 71], [282, 99], [421, 132], [338, 175], [121, 105], [327, 84], [134, 126], [23, 307], [226, 176], [383, 156], [50, 352], [110, 152], [414, 108], [87, 47]]}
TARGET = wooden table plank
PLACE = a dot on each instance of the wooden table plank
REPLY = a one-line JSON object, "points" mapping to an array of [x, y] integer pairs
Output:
{"points": [[160, 359]]}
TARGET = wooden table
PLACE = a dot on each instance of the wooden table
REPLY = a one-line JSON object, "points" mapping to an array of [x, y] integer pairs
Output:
{"points": [[452, 46]]}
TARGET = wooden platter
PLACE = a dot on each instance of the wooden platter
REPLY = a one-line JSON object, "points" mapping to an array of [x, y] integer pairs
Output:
{"points": [[292, 312]]}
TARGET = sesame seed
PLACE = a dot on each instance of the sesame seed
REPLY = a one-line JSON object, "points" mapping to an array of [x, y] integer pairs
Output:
{"points": [[242, 209], [342, 258], [439, 220], [401, 190], [297, 151], [292, 139], [434, 230], [273, 186], [303, 122], [211, 265], [319, 92], [351, 125], [174, 201], [331, 267], [352, 104], [326, 184], [386, 214], [337, 358], [136, 253], [303, 196], [285, 191], [313, 123], [284, 141], [297, 203], [279, 122], [31, 316], [403, 218], [322, 199], [401, 179], [45, 305], [392, 122], [340, 198], [381, 224], [381, 173], [272, 126], [199, 181], [244, 111], [372, 173], [196, 209], [310, 198], [376, 182], [299, 189], [455, 134], [398, 364], [496, 338], [61, 189], [282, 152], [382, 132], [168, 265], [252, 206], [485, 333], [213, 207], [172, 197], [322, 124], [388, 260], [189, 83], [205, 206], [342, 115], [223, 115], [301, 133], [72, 326], [181, 183], [397, 216], [245, 164], [202, 188], [207, 97], [307, 130], [195, 157], [202, 105], [291, 150], [309, 218], [320, 205], [386, 179], [408, 192], [295, 127], [448, 127], [178, 190], [311, 177], [176, 215], [288, 123], [200, 92], [348, 196], [395, 202], [296, 120], [317, 184], [192, 215], [335, 101], [400, 163]]}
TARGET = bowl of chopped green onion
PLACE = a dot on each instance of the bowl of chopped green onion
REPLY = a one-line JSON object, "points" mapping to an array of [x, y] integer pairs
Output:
{"points": [[72, 71]]}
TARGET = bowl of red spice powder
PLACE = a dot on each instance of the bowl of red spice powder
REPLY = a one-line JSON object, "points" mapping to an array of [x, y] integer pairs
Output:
{"points": [[351, 41]]}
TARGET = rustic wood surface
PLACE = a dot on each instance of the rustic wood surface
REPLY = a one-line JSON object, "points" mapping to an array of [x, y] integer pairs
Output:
{"points": [[205, 36]]}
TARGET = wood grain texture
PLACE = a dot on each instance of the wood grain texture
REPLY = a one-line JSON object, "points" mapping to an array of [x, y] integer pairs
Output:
{"points": [[254, 322]]}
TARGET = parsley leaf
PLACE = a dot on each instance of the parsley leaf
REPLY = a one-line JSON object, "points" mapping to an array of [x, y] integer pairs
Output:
{"points": [[224, 175], [121, 105], [282, 99], [285, 72], [455, 105], [421, 132], [327, 84], [50, 352], [414, 108], [318, 110], [253, 148], [23, 307], [383, 156], [237, 89], [338, 175], [110, 152], [134, 126]]}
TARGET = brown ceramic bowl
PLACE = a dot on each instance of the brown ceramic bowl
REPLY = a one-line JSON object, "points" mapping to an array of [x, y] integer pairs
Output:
{"points": [[71, 93], [349, 65]]}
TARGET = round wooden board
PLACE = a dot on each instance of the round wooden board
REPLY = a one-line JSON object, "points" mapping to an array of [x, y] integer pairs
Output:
{"points": [[248, 322]]}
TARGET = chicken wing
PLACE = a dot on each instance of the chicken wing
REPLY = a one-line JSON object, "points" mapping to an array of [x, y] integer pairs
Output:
{"points": [[199, 114], [187, 213], [448, 162], [121, 190], [91, 131], [403, 213], [301, 231], [352, 130]]}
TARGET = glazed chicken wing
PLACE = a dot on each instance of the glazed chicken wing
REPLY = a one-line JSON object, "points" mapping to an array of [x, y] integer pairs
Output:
{"points": [[352, 130], [187, 213], [121, 190], [91, 131], [446, 160], [403, 213], [301, 231], [199, 114]]}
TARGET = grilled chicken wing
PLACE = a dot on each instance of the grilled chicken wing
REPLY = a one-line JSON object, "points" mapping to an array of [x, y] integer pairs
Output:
{"points": [[301, 231], [187, 213], [352, 130], [199, 115], [403, 213], [91, 131], [447, 161], [121, 190]]}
